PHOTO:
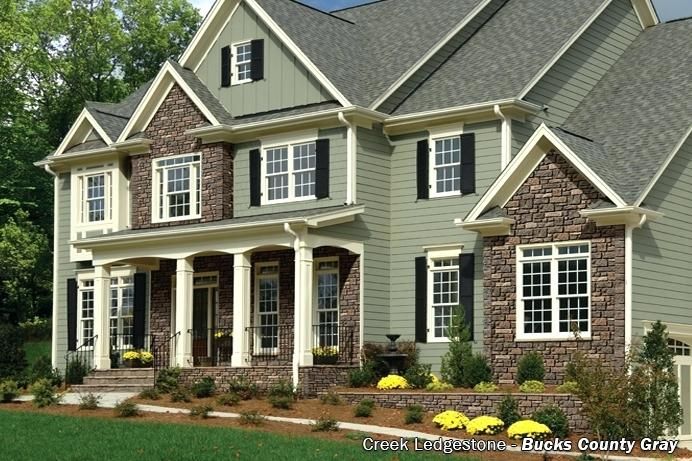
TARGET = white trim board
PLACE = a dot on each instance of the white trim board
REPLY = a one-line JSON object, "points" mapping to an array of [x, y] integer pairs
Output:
{"points": [[77, 126]]}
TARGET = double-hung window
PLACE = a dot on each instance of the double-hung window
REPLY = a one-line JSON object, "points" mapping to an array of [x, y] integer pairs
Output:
{"points": [[96, 198], [553, 291], [86, 310], [445, 174], [178, 186], [327, 306], [289, 172], [121, 312], [267, 308], [242, 63], [443, 292]]}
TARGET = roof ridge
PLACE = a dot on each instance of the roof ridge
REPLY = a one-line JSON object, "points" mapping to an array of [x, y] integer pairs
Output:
{"points": [[576, 134], [353, 7]]}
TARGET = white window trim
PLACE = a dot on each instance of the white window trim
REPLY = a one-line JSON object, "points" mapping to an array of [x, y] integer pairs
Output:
{"points": [[434, 253], [234, 63], [437, 133], [120, 286], [111, 202], [289, 141], [155, 197], [315, 300], [256, 342], [555, 335]]}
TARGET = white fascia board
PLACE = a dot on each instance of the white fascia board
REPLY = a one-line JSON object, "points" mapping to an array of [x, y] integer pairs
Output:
{"points": [[524, 163], [150, 105], [629, 215], [433, 51], [83, 117], [309, 65], [487, 227], [646, 13], [664, 166], [566, 46], [205, 31]]}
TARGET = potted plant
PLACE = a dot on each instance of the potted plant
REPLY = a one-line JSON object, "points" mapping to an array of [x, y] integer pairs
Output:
{"points": [[131, 359], [224, 345], [325, 355]]}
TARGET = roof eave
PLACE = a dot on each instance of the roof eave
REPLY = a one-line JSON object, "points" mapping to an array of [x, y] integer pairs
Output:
{"points": [[627, 215], [487, 227]]}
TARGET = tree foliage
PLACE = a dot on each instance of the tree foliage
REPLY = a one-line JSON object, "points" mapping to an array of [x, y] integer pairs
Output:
{"points": [[459, 353]]}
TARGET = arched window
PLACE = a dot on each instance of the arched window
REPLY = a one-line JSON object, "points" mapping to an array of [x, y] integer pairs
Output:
{"points": [[678, 347]]}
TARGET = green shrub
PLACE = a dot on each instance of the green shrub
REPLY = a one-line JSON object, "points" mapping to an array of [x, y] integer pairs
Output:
{"points": [[414, 414], [281, 401], [245, 389], [126, 409], [476, 370], [281, 394], [12, 357], [180, 394], [331, 398], [150, 394], [229, 399], [568, 387], [357, 435], [252, 418], [36, 329], [167, 380], [439, 386], [530, 368], [485, 387], [571, 371], [43, 369], [8, 390], [89, 401], [418, 376], [205, 387], [532, 387], [201, 411], [508, 410], [553, 417], [75, 371], [362, 377], [44, 393], [324, 424], [453, 361], [364, 408]]}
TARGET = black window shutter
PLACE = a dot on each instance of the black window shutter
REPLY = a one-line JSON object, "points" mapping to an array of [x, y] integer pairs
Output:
{"points": [[421, 299], [466, 273], [255, 179], [139, 307], [423, 159], [226, 66], [468, 163], [71, 314], [322, 168], [257, 60]]}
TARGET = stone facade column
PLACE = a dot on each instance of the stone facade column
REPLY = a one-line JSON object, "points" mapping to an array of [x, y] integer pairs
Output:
{"points": [[241, 309], [184, 275], [102, 346], [303, 305]]}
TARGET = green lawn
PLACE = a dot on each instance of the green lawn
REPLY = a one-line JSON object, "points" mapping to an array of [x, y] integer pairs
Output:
{"points": [[32, 436], [36, 349]]}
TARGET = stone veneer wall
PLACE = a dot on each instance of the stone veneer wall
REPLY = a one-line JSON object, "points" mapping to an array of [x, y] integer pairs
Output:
{"points": [[167, 129], [473, 405], [318, 379], [546, 209]]}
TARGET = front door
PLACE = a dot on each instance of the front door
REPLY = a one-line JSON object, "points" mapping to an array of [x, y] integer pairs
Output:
{"points": [[203, 311]]}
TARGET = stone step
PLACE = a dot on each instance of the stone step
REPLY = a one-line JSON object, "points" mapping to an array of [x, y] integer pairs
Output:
{"points": [[98, 388], [138, 372], [108, 380]]}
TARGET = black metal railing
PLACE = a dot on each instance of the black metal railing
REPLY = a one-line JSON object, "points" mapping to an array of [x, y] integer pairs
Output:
{"points": [[212, 347], [123, 343], [163, 349], [271, 342], [80, 361], [332, 343]]}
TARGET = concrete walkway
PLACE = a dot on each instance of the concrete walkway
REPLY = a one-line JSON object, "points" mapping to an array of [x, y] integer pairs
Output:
{"points": [[110, 399]]}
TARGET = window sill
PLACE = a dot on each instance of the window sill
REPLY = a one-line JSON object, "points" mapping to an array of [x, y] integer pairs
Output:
{"points": [[570, 337], [241, 82], [176, 219]]}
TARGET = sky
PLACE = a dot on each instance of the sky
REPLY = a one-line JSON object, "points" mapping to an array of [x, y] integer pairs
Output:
{"points": [[666, 9]]}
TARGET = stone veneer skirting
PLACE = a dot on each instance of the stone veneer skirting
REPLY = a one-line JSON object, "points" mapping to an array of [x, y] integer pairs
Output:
{"points": [[473, 405]]}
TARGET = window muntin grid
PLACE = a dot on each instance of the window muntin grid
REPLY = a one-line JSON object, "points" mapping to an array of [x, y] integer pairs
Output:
{"points": [[678, 347], [268, 306], [86, 310], [290, 171], [304, 162], [180, 187], [277, 173], [243, 62], [122, 293], [96, 197], [447, 165], [327, 287], [445, 294]]}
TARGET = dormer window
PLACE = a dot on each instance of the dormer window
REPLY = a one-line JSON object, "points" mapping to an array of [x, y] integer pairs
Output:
{"points": [[242, 63], [178, 186]]}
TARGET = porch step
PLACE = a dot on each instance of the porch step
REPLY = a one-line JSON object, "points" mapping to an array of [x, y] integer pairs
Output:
{"points": [[117, 380], [101, 388]]}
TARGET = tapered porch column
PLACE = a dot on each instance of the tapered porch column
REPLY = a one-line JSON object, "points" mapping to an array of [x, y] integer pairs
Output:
{"points": [[184, 275], [241, 309], [303, 304], [102, 285]]}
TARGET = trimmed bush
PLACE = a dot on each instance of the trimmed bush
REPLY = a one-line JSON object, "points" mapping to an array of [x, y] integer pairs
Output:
{"points": [[205, 387], [8, 390], [476, 370], [532, 387], [508, 410], [364, 408], [281, 402], [44, 394], [252, 418], [201, 411], [528, 428], [75, 372], [89, 401], [43, 369], [568, 387], [418, 376], [180, 394], [450, 420], [392, 382], [324, 424], [281, 395], [439, 386], [12, 357], [530, 368], [331, 398], [167, 380], [150, 394], [485, 387], [553, 417], [362, 377], [229, 399], [245, 389], [485, 425], [126, 409], [414, 414]]}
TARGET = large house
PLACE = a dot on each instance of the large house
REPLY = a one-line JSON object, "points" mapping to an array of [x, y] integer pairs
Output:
{"points": [[300, 180]]}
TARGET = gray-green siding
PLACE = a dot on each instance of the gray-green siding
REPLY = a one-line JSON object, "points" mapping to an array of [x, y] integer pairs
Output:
{"points": [[575, 74], [662, 254], [418, 223], [287, 83]]}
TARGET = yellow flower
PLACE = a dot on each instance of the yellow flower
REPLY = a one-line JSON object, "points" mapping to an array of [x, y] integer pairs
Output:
{"points": [[325, 351], [488, 425], [131, 355], [528, 428], [434, 379], [450, 420], [392, 382], [146, 357]]}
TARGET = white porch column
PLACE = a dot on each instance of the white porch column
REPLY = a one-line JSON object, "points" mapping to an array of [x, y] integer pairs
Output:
{"points": [[303, 304], [102, 286], [241, 309], [183, 311]]}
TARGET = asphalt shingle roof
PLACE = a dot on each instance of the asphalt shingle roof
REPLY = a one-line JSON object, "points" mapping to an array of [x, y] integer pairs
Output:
{"points": [[639, 111], [503, 56], [113, 117]]}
